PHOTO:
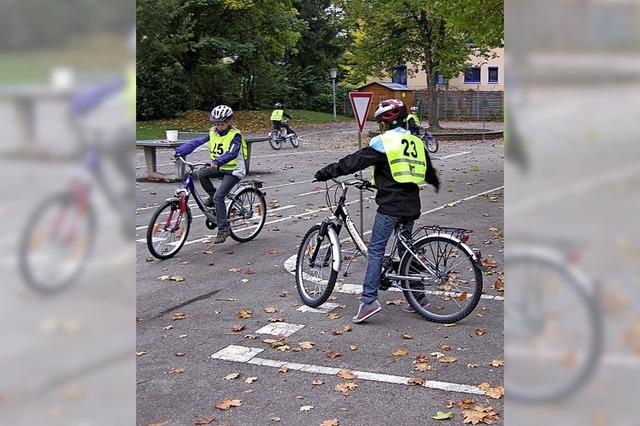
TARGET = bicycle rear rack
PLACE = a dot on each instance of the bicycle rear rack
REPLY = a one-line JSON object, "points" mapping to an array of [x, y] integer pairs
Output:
{"points": [[459, 233]]}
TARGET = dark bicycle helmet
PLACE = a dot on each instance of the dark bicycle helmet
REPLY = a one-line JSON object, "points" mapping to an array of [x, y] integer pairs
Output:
{"points": [[392, 111]]}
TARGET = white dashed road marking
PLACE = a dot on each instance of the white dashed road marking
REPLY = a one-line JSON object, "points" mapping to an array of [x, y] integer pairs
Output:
{"points": [[280, 329]]}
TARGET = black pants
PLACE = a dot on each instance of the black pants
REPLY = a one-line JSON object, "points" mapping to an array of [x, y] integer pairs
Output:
{"points": [[278, 124]]}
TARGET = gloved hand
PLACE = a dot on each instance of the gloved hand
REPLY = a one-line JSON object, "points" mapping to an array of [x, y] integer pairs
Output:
{"points": [[322, 175]]}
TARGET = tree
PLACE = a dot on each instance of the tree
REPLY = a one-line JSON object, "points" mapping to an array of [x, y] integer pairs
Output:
{"points": [[436, 34]]}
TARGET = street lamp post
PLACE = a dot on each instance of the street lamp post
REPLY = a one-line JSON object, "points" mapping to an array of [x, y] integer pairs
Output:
{"points": [[334, 73]]}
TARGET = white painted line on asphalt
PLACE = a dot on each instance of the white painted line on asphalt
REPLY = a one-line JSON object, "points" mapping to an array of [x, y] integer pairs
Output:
{"points": [[357, 289], [452, 155], [248, 355], [312, 192], [280, 329], [323, 309]]}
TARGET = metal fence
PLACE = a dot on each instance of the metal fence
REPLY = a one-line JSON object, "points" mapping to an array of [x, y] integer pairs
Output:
{"points": [[472, 105]]}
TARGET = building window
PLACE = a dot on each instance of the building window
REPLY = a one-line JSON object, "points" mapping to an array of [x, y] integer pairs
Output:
{"points": [[472, 75], [493, 74], [400, 75]]}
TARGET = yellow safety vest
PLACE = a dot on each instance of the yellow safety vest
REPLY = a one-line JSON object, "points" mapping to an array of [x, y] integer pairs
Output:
{"points": [[415, 117], [277, 115], [406, 157], [218, 145], [131, 91]]}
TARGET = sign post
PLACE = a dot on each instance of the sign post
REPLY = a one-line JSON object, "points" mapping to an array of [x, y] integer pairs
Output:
{"points": [[360, 103]]}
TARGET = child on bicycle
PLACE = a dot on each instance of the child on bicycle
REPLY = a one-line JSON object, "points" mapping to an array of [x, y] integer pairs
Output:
{"points": [[277, 116], [228, 150], [413, 121], [400, 163]]}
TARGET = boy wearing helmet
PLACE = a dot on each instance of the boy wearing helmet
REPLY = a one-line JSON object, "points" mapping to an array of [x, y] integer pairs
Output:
{"points": [[413, 121], [277, 116], [228, 150], [400, 163]]}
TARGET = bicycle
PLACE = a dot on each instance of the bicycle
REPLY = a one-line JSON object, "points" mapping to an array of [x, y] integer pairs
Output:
{"points": [[430, 142], [430, 262], [246, 213], [278, 136]]}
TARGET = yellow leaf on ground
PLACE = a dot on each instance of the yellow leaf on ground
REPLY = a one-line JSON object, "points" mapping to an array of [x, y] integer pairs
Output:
{"points": [[232, 376], [271, 309], [497, 362], [203, 420], [346, 374], [417, 381], [480, 331], [422, 367], [228, 403], [245, 314], [406, 336], [400, 352], [238, 327], [332, 422], [178, 316], [495, 393], [306, 344], [480, 415], [448, 359], [250, 380]]}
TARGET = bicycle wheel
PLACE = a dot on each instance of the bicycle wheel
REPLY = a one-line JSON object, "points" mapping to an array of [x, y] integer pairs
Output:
{"points": [[274, 140], [168, 230], [432, 145], [294, 140], [553, 327], [246, 214], [453, 291], [56, 243], [315, 282]]}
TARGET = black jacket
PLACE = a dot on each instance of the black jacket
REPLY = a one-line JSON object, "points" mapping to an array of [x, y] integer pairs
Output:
{"points": [[393, 198]]}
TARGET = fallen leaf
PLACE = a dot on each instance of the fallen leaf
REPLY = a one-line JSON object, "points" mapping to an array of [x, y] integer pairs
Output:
{"points": [[479, 414], [417, 381], [276, 319], [180, 354], [177, 370], [318, 382], [275, 419], [232, 376], [203, 420], [245, 314], [400, 352], [332, 422], [333, 316], [306, 344], [438, 355], [250, 380], [422, 367], [178, 316], [463, 296], [284, 348], [406, 336], [271, 309], [345, 388], [238, 327], [449, 325], [275, 343], [283, 369], [283, 294], [228, 403], [272, 252], [480, 331], [495, 393], [498, 284], [244, 280], [168, 327], [441, 415], [346, 374], [331, 353], [489, 263], [140, 353], [208, 252], [234, 270], [472, 365], [353, 347], [445, 347], [422, 358], [497, 362], [306, 407], [396, 302], [448, 359], [466, 403]]}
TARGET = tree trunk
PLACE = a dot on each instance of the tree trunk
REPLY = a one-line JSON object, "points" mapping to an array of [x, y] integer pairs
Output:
{"points": [[434, 114]]}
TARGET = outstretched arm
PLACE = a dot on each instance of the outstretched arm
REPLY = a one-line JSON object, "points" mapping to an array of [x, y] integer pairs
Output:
{"points": [[352, 163]]}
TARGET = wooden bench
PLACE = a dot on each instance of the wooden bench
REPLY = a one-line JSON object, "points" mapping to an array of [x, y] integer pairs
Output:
{"points": [[150, 154]]}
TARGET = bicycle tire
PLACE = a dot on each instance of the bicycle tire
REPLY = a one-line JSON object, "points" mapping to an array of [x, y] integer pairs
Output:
{"points": [[274, 140], [465, 251], [432, 145], [309, 300], [563, 390], [235, 204], [31, 280], [294, 140], [151, 229]]}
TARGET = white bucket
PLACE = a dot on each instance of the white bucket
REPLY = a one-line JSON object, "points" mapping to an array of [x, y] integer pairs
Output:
{"points": [[172, 135], [62, 78]]}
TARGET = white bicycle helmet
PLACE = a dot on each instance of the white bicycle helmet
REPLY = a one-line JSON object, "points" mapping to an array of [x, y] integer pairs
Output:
{"points": [[414, 109], [221, 113]]}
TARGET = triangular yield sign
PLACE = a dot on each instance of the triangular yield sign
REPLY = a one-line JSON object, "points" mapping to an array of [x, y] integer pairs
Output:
{"points": [[360, 103]]}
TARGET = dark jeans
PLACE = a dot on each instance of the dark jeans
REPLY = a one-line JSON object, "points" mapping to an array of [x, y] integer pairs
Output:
{"points": [[228, 182], [383, 227], [278, 124]]}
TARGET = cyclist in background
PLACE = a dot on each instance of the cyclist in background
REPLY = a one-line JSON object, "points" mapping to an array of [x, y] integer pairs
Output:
{"points": [[277, 118], [413, 122]]}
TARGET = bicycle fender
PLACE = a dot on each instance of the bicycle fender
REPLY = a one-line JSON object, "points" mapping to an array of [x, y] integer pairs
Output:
{"points": [[335, 248]]}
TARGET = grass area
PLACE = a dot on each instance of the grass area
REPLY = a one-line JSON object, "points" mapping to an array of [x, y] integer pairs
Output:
{"points": [[246, 121]]}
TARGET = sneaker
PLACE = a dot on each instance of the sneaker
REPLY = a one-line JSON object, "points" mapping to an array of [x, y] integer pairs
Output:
{"points": [[223, 234], [410, 309], [366, 310]]}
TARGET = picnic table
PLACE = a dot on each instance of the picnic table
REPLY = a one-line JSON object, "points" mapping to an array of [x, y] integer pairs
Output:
{"points": [[150, 154]]}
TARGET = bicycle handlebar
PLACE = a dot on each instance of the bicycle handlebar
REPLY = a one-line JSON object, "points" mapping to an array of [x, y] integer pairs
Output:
{"points": [[179, 158]]}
